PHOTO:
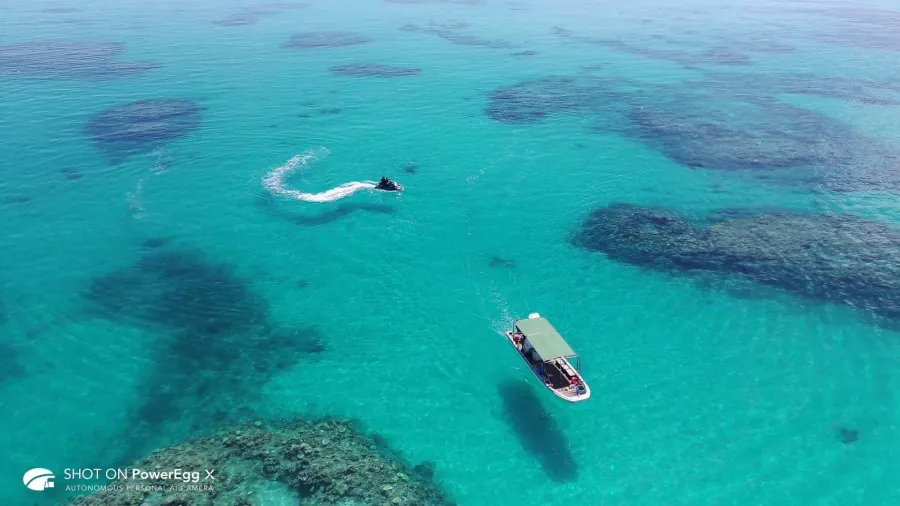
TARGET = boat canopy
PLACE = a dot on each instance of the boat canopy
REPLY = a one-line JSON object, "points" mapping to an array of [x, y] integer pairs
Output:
{"points": [[544, 338]]}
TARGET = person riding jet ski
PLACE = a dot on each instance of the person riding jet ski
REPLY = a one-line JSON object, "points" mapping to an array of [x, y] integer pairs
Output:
{"points": [[388, 185]]}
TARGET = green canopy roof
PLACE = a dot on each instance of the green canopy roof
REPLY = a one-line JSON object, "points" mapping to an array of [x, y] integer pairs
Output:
{"points": [[545, 339]]}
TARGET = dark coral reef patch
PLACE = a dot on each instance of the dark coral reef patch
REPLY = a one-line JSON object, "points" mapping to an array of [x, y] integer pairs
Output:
{"points": [[10, 365], [847, 436], [373, 70], [536, 99], [835, 258], [849, 24], [177, 290], [718, 55], [325, 39], [452, 32], [324, 461], [719, 123], [215, 343], [68, 60], [497, 262], [143, 126]]}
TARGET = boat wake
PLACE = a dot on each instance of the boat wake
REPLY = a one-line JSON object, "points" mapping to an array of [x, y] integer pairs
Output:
{"points": [[274, 181]]}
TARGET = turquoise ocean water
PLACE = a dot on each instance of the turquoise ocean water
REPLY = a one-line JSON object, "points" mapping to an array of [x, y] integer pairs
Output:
{"points": [[703, 393]]}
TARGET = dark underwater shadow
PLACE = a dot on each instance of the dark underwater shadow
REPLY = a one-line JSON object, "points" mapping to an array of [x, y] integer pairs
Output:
{"points": [[537, 431], [10, 365], [272, 208], [214, 340]]}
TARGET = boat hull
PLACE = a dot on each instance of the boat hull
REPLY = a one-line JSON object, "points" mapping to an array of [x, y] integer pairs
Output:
{"points": [[562, 395]]}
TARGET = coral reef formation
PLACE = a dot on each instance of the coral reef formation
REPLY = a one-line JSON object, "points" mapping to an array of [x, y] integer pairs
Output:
{"points": [[717, 123], [452, 31], [835, 258], [62, 59], [324, 39], [214, 342], [142, 126], [373, 70], [719, 55], [321, 462], [848, 24], [180, 290], [536, 99]]}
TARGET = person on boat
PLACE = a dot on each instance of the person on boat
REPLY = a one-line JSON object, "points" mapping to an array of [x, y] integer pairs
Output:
{"points": [[388, 185]]}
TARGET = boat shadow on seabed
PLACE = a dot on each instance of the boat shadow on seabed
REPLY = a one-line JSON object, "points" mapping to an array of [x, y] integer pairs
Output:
{"points": [[537, 431]]}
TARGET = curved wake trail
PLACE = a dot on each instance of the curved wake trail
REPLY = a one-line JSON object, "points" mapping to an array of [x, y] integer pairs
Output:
{"points": [[274, 180]]}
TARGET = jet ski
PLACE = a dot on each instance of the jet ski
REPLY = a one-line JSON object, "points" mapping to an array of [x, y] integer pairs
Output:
{"points": [[388, 185]]}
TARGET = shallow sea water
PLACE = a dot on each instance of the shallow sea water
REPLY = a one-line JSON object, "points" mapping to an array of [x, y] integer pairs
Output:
{"points": [[704, 392]]}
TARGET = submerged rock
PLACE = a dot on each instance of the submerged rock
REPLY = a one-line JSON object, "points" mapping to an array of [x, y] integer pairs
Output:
{"points": [[847, 436], [501, 263], [249, 458], [155, 242], [64, 59], [835, 258], [143, 126], [425, 469], [71, 174], [16, 199], [10, 365]]}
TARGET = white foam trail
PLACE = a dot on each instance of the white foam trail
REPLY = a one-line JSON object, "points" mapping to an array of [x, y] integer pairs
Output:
{"points": [[135, 201], [274, 180]]}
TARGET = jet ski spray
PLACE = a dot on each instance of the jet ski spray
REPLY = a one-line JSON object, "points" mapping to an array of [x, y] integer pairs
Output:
{"points": [[274, 181]]}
